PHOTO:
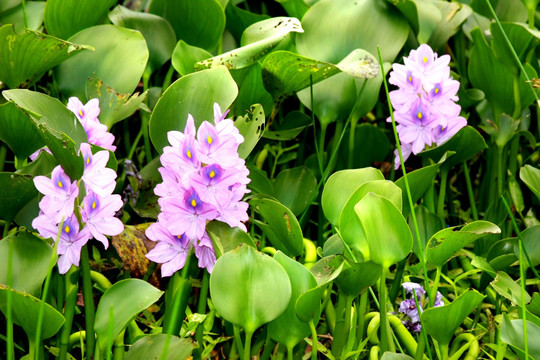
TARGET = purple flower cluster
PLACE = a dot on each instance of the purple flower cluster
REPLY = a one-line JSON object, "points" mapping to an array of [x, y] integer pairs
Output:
{"points": [[99, 205], [204, 179], [425, 102], [410, 310]]}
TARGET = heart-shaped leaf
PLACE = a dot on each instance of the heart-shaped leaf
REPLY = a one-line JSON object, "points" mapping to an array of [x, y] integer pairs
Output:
{"points": [[249, 288], [294, 188]]}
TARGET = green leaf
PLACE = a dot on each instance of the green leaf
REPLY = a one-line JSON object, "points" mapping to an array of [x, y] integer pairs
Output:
{"points": [[285, 73], [251, 129], [198, 23], [395, 356], [238, 20], [28, 252], [34, 11], [359, 276], [428, 224], [292, 125], [466, 143], [249, 288], [531, 177], [64, 18], [114, 107], [119, 59], [224, 238], [193, 94], [25, 309], [530, 240], [453, 14], [27, 55], [280, 225], [351, 230], [185, 56], [388, 235], [17, 191], [370, 145], [340, 186], [58, 127], [451, 316], [512, 334], [423, 15], [126, 298], [294, 188], [152, 347], [18, 131], [445, 243], [157, 32], [250, 90], [505, 286], [288, 329], [258, 39]]}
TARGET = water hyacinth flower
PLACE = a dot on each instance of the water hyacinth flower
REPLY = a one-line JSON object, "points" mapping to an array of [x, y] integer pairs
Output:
{"points": [[412, 309], [204, 179], [425, 108]]}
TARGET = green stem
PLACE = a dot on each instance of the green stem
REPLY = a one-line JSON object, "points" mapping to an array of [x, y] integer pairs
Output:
{"points": [[118, 349], [110, 332], [45, 293], [350, 158], [135, 143], [433, 292], [238, 339], [89, 309], [3, 153], [72, 288], [407, 186], [442, 194], [315, 341], [247, 345], [201, 307], [322, 137], [9, 304], [24, 13], [173, 322], [444, 351], [290, 349], [384, 326], [346, 325], [362, 307], [500, 171], [470, 191]]}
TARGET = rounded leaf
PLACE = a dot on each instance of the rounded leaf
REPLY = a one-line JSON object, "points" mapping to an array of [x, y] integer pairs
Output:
{"points": [[294, 188], [249, 288], [152, 346], [119, 59]]}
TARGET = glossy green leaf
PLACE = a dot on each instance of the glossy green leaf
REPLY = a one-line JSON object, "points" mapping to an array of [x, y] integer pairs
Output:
{"points": [[351, 229], [512, 334], [18, 131], [423, 16], [34, 15], [119, 59], [466, 143], [114, 107], [249, 288], [531, 177], [126, 298], [185, 56], [153, 346], [250, 90], [530, 238], [445, 243], [508, 288], [27, 55], [428, 224], [292, 125], [251, 127], [506, 10], [388, 235], [198, 23], [326, 270], [238, 19], [224, 238], [280, 225], [259, 184], [522, 38], [258, 39], [453, 14], [193, 94], [285, 73], [57, 126], [28, 252], [288, 329], [25, 309], [359, 276], [158, 33], [482, 65], [64, 18], [370, 145], [17, 191], [294, 188], [340, 186], [451, 316]]}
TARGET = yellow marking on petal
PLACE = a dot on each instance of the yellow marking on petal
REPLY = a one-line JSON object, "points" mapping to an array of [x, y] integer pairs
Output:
{"points": [[179, 237], [81, 113], [60, 185], [93, 205], [210, 140], [425, 59], [436, 90], [193, 203], [188, 153], [88, 160], [67, 229], [419, 115], [212, 174], [410, 78]]}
